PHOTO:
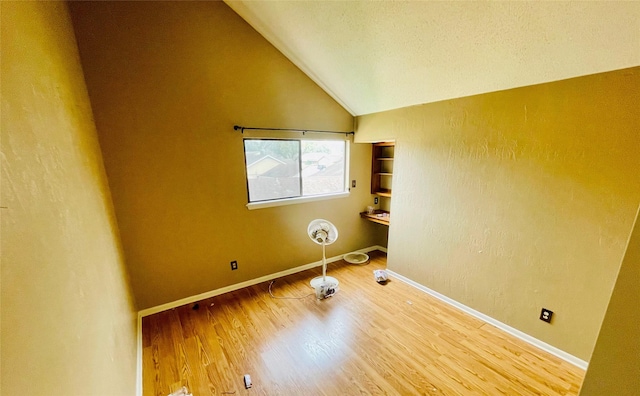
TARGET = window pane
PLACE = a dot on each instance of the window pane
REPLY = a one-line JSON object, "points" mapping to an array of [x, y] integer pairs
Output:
{"points": [[323, 167], [273, 169]]}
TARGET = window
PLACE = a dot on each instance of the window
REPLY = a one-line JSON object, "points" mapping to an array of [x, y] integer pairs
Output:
{"points": [[280, 169]]}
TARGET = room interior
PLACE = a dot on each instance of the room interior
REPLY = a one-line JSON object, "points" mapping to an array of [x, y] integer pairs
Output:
{"points": [[124, 190]]}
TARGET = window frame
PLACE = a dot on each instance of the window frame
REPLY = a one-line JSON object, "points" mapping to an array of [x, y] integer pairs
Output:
{"points": [[302, 198]]}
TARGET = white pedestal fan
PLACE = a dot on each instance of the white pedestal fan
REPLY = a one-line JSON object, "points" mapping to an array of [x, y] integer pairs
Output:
{"points": [[323, 233]]}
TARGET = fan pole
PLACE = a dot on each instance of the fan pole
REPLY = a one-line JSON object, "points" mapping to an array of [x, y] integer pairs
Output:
{"points": [[324, 264]]}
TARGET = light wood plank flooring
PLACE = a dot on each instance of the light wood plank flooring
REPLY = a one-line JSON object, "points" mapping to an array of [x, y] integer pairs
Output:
{"points": [[367, 339]]}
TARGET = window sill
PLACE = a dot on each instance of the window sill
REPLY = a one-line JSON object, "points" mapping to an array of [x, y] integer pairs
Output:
{"points": [[293, 201]]}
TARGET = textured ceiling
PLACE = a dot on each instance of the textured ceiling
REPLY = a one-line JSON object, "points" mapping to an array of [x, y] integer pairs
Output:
{"points": [[375, 56]]}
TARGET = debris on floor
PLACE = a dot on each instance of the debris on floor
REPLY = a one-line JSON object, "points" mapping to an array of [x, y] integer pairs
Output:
{"points": [[181, 392]]}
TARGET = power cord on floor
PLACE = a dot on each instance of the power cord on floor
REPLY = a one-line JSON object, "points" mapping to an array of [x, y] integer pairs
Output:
{"points": [[287, 298]]}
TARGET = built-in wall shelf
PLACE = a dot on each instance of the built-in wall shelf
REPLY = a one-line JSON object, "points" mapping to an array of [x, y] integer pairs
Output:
{"points": [[382, 168], [381, 177]]}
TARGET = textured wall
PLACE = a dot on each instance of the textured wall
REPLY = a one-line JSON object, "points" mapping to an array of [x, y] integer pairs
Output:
{"points": [[167, 81], [521, 199], [68, 320], [614, 368]]}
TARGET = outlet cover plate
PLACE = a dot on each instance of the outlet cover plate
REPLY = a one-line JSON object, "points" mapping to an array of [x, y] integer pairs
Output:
{"points": [[545, 315]]}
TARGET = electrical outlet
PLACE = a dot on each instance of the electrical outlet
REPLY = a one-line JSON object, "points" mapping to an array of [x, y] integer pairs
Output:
{"points": [[234, 265], [353, 184], [375, 201], [545, 315]]}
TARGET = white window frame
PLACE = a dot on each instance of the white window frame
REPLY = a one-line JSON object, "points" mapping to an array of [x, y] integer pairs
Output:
{"points": [[302, 199]]}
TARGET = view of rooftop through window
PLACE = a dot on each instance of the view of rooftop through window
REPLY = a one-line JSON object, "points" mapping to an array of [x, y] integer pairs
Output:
{"points": [[278, 169]]}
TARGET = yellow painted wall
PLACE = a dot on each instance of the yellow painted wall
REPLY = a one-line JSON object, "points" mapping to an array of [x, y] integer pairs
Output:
{"points": [[167, 81], [516, 200], [614, 368], [68, 318]]}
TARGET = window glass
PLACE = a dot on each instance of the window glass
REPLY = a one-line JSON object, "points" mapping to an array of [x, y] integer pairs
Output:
{"points": [[280, 169], [322, 167]]}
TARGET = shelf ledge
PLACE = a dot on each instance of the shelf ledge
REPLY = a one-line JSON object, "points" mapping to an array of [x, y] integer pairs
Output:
{"points": [[376, 216]]}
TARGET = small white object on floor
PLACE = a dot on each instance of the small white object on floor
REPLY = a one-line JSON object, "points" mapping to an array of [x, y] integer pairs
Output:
{"points": [[247, 381], [181, 392], [381, 276]]}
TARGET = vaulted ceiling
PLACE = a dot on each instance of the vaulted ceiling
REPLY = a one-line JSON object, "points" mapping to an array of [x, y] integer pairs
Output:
{"points": [[373, 56]]}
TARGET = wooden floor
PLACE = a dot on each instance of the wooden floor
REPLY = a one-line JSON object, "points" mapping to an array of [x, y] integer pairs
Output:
{"points": [[367, 339]]}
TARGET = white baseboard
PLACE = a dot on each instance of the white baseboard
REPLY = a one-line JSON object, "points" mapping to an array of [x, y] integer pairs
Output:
{"points": [[488, 319], [380, 248], [251, 282]]}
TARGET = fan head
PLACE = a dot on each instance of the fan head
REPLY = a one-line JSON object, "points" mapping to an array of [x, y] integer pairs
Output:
{"points": [[322, 232]]}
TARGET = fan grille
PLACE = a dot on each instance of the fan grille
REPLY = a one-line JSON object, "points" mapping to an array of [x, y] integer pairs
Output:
{"points": [[322, 231]]}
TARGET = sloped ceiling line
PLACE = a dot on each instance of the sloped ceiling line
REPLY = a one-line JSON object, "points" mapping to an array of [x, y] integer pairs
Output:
{"points": [[377, 56]]}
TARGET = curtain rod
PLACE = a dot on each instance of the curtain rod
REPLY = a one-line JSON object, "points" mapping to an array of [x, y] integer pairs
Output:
{"points": [[242, 129]]}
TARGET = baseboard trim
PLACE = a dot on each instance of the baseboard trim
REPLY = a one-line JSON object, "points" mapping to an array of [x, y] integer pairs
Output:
{"points": [[251, 282], [506, 328]]}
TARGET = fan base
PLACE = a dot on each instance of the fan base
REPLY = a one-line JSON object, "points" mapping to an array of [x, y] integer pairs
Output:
{"points": [[317, 281], [324, 287]]}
